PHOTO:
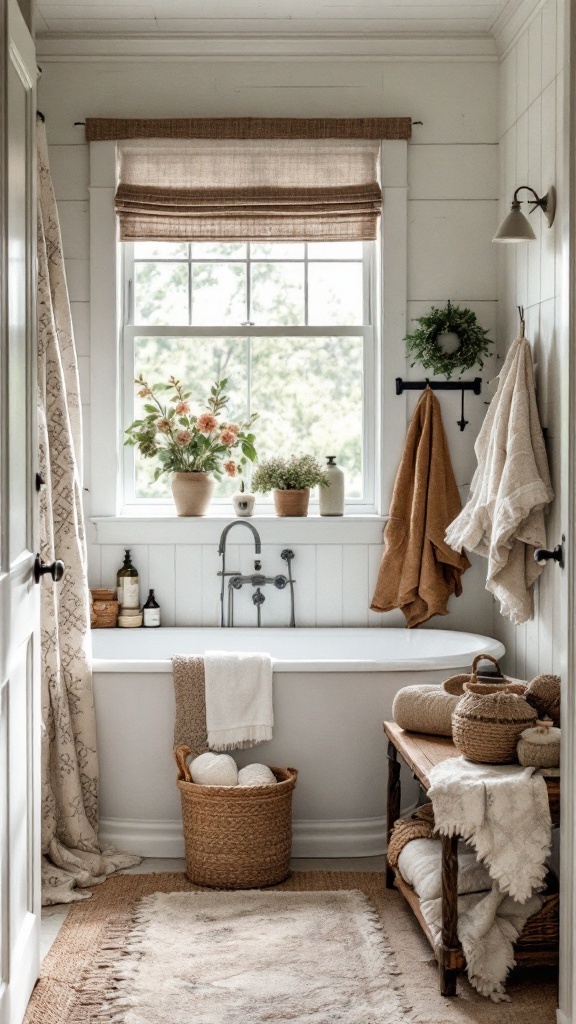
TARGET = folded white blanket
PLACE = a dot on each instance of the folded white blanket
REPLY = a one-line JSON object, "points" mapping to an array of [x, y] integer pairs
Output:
{"points": [[419, 864], [238, 699]]}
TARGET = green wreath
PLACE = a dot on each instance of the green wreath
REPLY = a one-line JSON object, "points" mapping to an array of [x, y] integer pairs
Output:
{"points": [[423, 345]]}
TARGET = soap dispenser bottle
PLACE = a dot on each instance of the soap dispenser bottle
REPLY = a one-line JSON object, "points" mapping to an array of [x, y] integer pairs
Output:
{"points": [[332, 496], [128, 584], [151, 611]]}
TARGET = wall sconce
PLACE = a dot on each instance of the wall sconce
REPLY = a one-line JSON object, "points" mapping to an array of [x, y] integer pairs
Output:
{"points": [[515, 227]]}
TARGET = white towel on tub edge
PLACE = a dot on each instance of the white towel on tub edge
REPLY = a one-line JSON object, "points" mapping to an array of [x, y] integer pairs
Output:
{"points": [[239, 710]]}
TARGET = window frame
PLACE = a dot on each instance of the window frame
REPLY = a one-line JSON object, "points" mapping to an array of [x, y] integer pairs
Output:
{"points": [[102, 287], [365, 505]]}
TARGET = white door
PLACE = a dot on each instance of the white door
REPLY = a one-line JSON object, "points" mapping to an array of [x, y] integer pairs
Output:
{"points": [[19, 597]]}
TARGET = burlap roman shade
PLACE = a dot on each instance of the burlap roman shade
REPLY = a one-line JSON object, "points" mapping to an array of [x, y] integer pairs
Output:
{"points": [[250, 189]]}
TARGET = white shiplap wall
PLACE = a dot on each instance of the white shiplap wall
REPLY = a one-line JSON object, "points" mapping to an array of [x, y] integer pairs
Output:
{"points": [[531, 86], [452, 212]]}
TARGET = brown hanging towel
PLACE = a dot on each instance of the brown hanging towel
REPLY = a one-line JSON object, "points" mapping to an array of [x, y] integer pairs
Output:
{"points": [[419, 571]]}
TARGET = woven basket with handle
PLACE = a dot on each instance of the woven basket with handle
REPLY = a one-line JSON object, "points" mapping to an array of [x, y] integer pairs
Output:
{"points": [[455, 684], [488, 720], [236, 837]]}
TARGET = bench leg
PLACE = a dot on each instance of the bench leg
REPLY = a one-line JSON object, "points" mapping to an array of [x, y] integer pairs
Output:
{"points": [[450, 946], [392, 803]]}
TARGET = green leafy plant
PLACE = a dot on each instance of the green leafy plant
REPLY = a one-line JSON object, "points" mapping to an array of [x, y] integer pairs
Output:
{"points": [[293, 474], [188, 442], [423, 345]]}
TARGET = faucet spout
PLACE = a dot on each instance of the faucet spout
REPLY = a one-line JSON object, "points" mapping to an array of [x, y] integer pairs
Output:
{"points": [[239, 522]]}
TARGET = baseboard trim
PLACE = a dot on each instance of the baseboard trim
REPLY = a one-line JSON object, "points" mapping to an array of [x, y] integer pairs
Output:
{"points": [[355, 837], [561, 1018]]}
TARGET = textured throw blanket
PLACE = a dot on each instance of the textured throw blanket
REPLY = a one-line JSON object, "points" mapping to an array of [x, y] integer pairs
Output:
{"points": [[238, 699], [503, 519], [503, 813], [190, 722], [419, 570]]}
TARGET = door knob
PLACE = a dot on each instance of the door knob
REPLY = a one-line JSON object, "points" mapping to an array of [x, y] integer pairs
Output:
{"points": [[542, 555], [56, 569]]}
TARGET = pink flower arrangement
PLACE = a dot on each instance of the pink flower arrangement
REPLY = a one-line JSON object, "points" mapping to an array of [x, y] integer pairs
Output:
{"points": [[185, 441], [206, 423]]}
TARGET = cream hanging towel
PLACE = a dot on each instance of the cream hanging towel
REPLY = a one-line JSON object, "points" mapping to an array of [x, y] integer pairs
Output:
{"points": [[503, 519]]}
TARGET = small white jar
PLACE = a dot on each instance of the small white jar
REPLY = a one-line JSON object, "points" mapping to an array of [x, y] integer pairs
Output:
{"points": [[243, 503]]}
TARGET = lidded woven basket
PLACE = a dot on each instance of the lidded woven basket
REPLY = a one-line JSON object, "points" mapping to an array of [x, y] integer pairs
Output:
{"points": [[236, 837], [488, 720]]}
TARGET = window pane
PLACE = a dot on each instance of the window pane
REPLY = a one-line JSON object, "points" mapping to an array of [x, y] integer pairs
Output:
{"points": [[218, 293], [335, 250], [160, 250], [277, 293], [308, 393], [335, 293], [218, 250], [198, 362], [160, 293], [277, 250]]}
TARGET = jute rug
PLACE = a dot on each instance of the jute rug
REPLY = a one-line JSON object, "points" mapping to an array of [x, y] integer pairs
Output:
{"points": [[81, 971]]}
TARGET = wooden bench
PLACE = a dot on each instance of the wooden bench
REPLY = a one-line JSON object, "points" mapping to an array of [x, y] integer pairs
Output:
{"points": [[538, 944]]}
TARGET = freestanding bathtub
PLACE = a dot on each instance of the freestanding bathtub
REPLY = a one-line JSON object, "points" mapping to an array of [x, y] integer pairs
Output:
{"points": [[332, 690]]}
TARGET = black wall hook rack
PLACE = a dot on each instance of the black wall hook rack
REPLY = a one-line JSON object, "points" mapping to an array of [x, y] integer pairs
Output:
{"points": [[439, 385], [442, 385]]}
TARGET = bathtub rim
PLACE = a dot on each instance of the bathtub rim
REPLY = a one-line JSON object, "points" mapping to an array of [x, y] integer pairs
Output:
{"points": [[438, 662]]}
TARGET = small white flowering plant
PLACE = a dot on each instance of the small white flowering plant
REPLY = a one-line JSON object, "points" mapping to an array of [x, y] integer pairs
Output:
{"points": [[184, 441]]}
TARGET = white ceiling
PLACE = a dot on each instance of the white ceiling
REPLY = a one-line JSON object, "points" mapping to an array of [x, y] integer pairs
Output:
{"points": [[267, 18]]}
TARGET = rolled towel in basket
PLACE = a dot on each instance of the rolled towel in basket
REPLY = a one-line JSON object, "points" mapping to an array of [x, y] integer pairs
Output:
{"points": [[256, 775], [214, 770]]}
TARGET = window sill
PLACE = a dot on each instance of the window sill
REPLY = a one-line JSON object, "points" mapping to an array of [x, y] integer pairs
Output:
{"points": [[164, 528]]}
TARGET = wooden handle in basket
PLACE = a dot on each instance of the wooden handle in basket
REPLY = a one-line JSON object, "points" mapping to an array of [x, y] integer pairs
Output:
{"points": [[484, 657], [181, 752]]}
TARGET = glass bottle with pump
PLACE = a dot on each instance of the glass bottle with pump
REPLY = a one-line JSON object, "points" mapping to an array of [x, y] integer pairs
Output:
{"points": [[151, 611], [128, 584]]}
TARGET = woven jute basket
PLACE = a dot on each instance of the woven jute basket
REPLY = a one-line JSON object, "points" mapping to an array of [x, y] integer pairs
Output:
{"points": [[455, 684], [488, 720], [236, 837], [291, 502]]}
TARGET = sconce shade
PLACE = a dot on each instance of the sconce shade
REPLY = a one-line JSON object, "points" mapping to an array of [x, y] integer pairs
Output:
{"points": [[515, 227]]}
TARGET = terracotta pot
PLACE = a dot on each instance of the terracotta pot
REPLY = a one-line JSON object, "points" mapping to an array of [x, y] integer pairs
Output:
{"points": [[192, 493], [292, 503]]}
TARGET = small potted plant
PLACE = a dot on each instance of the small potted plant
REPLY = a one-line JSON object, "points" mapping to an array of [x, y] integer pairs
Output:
{"points": [[290, 481], [194, 447]]}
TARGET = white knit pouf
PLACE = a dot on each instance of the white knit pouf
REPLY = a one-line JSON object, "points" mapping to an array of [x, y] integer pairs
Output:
{"points": [[256, 775], [214, 770]]}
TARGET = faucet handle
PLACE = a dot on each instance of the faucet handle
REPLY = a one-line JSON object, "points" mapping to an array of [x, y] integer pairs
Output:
{"points": [[287, 555]]}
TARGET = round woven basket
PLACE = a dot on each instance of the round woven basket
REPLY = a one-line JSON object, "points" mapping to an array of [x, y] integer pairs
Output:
{"points": [[488, 720], [455, 684], [236, 837]]}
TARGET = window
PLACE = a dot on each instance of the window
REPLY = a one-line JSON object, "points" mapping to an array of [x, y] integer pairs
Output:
{"points": [[290, 325]]}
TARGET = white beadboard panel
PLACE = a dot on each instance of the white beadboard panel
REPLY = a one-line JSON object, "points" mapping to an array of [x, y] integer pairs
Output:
{"points": [[78, 278], [374, 560], [535, 58], [329, 581], [453, 172], [304, 571], [450, 249], [69, 171], [169, 528], [549, 15], [210, 583], [188, 584], [84, 377], [81, 324], [355, 595], [94, 572], [161, 577], [520, 176], [74, 224], [508, 91], [549, 243], [522, 74]]}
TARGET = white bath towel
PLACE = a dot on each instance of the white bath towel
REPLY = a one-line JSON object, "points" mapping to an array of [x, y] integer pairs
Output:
{"points": [[238, 699], [503, 519]]}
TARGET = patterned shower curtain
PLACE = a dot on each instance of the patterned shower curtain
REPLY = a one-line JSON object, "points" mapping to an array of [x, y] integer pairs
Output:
{"points": [[72, 859]]}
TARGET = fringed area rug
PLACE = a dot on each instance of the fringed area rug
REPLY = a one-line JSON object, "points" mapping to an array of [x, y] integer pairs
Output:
{"points": [[232, 957], [85, 976]]}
